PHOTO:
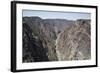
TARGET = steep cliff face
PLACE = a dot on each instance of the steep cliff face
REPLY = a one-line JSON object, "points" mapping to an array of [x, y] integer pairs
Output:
{"points": [[33, 50], [55, 39], [74, 42]]}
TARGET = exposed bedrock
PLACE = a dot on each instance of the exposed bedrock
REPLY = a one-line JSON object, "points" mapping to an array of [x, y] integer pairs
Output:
{"points": [[55, 39]]}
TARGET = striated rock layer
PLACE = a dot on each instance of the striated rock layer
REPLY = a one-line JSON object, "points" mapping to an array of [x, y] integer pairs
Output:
{"points": [[55, 39], [74, 43]]}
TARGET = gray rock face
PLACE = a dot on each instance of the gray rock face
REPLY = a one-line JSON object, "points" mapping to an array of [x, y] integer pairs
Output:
{"points": [[55, 39], [74, 42], [33, 50]]}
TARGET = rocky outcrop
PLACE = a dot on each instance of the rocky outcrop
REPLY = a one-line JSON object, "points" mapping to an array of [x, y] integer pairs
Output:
{"points": [[33, 50], [55, 39], [74, 43]]}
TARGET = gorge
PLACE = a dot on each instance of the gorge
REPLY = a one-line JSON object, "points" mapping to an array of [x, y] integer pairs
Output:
{"points": [[56, 39]]}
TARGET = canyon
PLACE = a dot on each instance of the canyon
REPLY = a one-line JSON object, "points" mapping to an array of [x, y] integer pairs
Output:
{"points": [[56, 39]]}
